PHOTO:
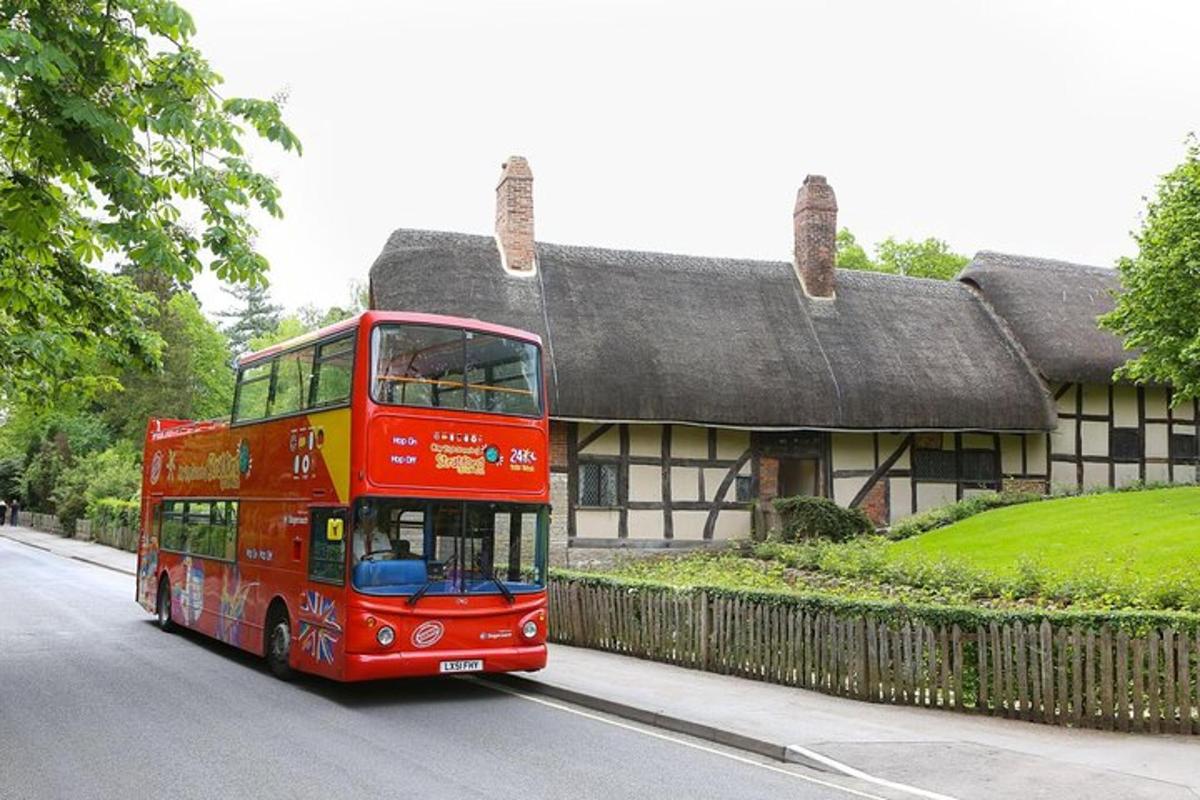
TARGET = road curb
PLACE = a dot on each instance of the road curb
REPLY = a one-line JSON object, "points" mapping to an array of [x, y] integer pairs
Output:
{"points": [[80, 559], [697, 730]]}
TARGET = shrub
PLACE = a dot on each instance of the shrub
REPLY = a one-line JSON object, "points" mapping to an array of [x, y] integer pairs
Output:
{"points": [[820, 518], [947, 515], [113, 512]]}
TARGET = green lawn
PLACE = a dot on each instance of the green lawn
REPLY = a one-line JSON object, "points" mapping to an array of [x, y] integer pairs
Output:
{"points": [[1143, 534]]}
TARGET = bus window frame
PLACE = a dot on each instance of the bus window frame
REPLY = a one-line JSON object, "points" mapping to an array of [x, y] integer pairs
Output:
{"points": [[541, 378], [351, 335], [237, 531]]}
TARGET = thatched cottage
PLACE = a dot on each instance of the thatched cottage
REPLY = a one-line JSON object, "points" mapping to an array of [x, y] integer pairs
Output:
{"points": [[686, 393]]}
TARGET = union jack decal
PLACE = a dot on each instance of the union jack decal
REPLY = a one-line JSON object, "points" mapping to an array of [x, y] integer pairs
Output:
{"points": [[321, 632]]}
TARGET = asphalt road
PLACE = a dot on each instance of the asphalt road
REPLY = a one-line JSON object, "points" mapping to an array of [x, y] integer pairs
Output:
{"points": [[95, 702]]}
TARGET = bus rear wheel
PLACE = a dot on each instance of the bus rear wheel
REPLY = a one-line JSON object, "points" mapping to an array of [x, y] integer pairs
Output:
{"points": [[278, 634], [162, 606]]}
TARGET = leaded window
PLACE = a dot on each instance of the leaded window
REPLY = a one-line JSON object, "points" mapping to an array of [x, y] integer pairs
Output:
{"points": [[1125, 444], [597, 484]]}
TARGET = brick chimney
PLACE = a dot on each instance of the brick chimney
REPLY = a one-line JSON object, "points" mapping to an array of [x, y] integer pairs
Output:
{"points": [[514, 216], [815, 225]]}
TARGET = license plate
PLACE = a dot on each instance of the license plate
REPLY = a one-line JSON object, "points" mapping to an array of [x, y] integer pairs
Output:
{"points": [[468, 665]]}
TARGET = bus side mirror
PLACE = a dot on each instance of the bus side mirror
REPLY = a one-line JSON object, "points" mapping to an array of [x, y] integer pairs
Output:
{"points": [[335, 528]]}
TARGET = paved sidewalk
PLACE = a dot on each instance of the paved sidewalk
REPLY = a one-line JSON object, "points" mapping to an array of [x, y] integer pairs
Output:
{"points": [[957, 754], [100, 555]]}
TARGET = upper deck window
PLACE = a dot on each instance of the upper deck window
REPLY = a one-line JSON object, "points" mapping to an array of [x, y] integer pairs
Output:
{"points": [[315, 376], [423, 365]]}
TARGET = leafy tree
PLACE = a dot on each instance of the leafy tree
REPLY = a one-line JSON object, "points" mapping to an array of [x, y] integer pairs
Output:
{"points": [[1159, 310], [929, 258], [851, 255], [255, 316], [110, 120], [194, 382]]}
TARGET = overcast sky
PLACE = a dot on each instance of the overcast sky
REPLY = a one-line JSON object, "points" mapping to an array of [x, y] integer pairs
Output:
{"points": [[1026, 127]]}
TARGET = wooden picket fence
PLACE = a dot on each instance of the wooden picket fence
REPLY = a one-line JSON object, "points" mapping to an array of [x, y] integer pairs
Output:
{"points": [[1060, 675]]}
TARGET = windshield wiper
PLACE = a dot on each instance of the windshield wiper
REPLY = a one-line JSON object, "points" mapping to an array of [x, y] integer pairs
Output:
{"points": [[419, 593], [504, 590]]}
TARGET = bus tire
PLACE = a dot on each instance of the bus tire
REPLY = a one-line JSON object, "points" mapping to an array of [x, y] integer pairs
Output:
{"points": [[162, 606], [278, 642]]}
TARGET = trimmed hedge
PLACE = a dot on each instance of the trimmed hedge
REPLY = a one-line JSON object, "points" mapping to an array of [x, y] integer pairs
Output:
{"points": [[110, 512], [820, 518], [966, 617]]}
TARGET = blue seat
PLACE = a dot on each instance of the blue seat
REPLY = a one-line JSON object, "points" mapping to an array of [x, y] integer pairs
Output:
{"points": [[408, 572]]}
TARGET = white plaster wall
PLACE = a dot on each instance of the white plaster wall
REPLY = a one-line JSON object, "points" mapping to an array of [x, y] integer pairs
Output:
{"points": [[1156, 402], [900, 495], [1185, 410], [1125, 407], [1095, 398], [732, 524], [608, 444], [645, 524], [853, 451], [1126, 474], [1185, 430], [597, 524], [731, 444], [645, 483], [844, 489], [888, 442], [1185, 473], [685, 483], [1066, 403], [1156, 440], [1035, 453], [1062, 476], [1062, 438], [712, 481], [1095, 438], [1010, 454], [932, 495], [688, 524], [1157, 473], [645, 440], [688, 441], [976, 492], [1094, 475], [978, 441]]}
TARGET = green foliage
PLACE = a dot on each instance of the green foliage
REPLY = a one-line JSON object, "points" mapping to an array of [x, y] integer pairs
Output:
{"points": [[110, 123], [949, 514], [254, 317], [193, 381], [1157, 311], [112, 512], [113, 473], [11, 477], [929, 258], [819, 517]]}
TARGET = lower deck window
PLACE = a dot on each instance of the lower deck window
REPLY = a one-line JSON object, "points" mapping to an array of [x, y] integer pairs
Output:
{"points": [[206, 528]]}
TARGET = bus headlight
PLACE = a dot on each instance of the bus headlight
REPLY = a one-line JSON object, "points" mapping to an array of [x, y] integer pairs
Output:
{"points": [[529, 630], [385, 636]]}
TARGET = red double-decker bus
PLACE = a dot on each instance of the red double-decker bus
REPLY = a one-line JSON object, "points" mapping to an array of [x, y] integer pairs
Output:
{"points": [[376, 506]]}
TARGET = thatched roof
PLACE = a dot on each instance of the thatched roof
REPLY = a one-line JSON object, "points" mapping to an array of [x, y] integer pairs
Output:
{"points": [[649, 336], [1051, 307]]}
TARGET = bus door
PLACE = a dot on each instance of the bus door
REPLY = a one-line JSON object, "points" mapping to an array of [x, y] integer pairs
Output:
{"points": [[322, 601]]}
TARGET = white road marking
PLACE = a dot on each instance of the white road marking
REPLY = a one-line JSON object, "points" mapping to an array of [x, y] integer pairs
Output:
{"points": [[863, 776], [665, 737]]}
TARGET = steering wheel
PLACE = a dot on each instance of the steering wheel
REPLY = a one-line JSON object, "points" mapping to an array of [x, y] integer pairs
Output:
{"points": [[370, 555]]}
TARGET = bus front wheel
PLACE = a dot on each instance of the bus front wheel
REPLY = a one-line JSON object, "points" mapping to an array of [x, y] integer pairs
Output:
{"points": [[162, 607], [279, 643]]}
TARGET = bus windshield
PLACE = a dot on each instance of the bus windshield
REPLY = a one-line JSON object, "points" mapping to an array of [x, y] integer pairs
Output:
{"points": [[426, 365], [410, 547]]}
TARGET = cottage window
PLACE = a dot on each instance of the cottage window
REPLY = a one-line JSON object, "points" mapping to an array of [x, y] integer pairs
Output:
{"points": [[1125, 444], [743, 489], [979, 466], [1183, 447], [934, 465], [597, 484]]}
